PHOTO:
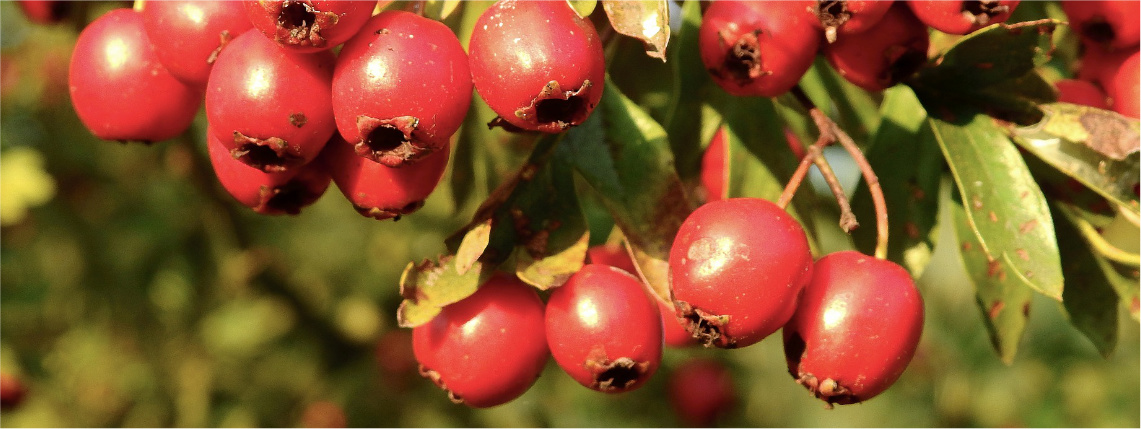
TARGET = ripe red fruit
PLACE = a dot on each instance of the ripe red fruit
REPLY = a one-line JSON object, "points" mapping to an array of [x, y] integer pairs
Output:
{"points": [[962, 17], [267, 193], [44, 12], [270, 106], [757, 48], [845, 16], [1098, 66], [119, 88], [700, 391], [1109, 25], [12, 391], [616, 256], [488, 348], [856, 330], [189, 35], [379, 191], [604, 330], [713, 166], [401, 88], [1081, 92], [308, 25], [1125, 92], [537, 64], [737, 267], [886, 54]]}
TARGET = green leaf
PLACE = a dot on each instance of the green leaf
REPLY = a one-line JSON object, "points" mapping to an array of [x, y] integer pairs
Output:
{"points": [[1003, 300], [440, 10], [583, 7], [1095, 147], [624, 156], [645, 20], [691, 83], [430, 285], [855, 110], [1089, 298], [1122, 278], [907, 161], [1006, 209]]}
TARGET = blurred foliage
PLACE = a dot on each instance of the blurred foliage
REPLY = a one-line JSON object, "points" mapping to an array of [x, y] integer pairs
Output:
{"points": [[136, 293]]}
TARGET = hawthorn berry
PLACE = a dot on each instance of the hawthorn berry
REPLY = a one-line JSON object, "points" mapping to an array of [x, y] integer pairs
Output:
{"points": [[189, 35], [713, 170], [1098, 66], [488, 348], [379, 191], [1109, 25], [757, 48], [700, 391], [893, 49], [401, 88], [44, 12], [616, 256], [962, 17], [12, 391], [308, 25], [537, 64], [267, 193], [1124, 90], [271, 107], [119, 88], [1081, 92], [845, 16], [737, 267], [604, 330], [856, 329]]}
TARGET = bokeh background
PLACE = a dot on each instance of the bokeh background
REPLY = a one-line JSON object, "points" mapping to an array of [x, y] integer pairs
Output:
{"points": [[135, 292]]}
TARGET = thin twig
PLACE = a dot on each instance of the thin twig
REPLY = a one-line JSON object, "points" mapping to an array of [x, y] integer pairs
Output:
{"points": [[874, 188]]}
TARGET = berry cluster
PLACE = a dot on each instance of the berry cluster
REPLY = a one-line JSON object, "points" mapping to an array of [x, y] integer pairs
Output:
{"points": [[1110, 62]]}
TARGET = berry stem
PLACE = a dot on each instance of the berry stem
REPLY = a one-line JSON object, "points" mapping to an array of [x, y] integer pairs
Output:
{"points": [[815, 156]]}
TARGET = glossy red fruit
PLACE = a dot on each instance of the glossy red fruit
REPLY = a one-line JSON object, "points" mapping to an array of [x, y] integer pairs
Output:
{"points": [[856, 330], [604, 330], [616, 256], [838, 17], [886, 54], [44, 12], [401, 88], [119, 88], [537, 64], [267, 193], [713, 167], [1081, 92], [1109, 25], [1099, 66], [700, 391], [737, 267], [270, 106], [1125, 93], [757, 48], [487, 349], [379, 191], [962, 17], [189, 35], [308, 25]]}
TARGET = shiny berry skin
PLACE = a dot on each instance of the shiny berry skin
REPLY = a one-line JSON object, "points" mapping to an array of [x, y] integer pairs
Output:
{"points": [[488, 348], [604, 330], [1109, 25], [537, 64], [267, 193], [401, 88], [1124, 90], [1081, 92], [270, 106], [379, 191], [856, 329], [962, 17], [713, 170], [757, 48], [44, 12], [886, 54], [838, 17], [308, 25], [189, 35], [616, 256], [700, 391], [119, 88], [737, 267]]}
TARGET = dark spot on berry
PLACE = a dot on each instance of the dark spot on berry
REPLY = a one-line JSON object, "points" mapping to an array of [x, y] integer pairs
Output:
{"points": [[832, 13], [296, 14], [385, 138], [983, 10], [260, 157], [1098, 30], [743, 61], [558, 111], [290, 198]]}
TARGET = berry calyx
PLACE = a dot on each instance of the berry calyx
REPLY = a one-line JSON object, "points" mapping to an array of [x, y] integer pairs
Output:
{"points": [[1108, 25], [837, 17], [379, 191], [962, 17], [308, 25], [856, 329], [616, 256], [757, 48], [889, 52], [267, 193]]}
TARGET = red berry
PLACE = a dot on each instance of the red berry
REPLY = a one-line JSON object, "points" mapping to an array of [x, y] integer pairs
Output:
{"points": [[270, 106], [891, 51], [12, 391], [267, 193], [856, 330], [379, 191], [700, 391], [401, 88], [119, 88], [488, 348], [189, 35], [308, 25], [962, 17], [737, 267], [1109, 25], [845, 16], [1124, 91], [1098, 66], [616, 256], [713, 166], [1081, 92], [604, 330], [757, 48], [44, 12], [537, 64]]}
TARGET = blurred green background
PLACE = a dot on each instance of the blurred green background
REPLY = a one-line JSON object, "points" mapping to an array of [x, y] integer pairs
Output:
{"points": [[135, 292]]}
